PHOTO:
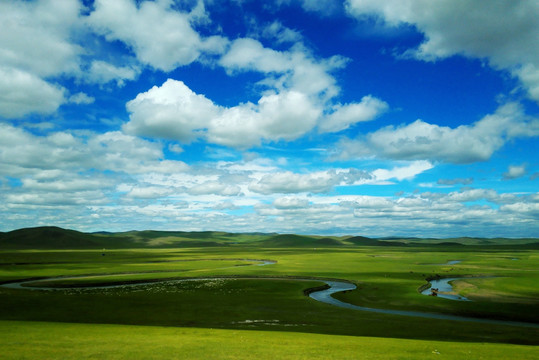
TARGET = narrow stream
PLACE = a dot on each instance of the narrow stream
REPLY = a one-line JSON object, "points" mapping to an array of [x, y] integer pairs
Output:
{"points": [[338, 286], [324, 296]]}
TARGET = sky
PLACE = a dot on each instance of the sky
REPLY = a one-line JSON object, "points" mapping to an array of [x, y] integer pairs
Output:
{"points": [[377, 118]]}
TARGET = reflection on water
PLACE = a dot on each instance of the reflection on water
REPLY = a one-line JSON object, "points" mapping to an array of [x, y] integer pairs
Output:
{"points": [[444, 287]]}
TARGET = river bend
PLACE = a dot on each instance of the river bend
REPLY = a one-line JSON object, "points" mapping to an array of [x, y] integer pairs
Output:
{"points": [[324, 295]]}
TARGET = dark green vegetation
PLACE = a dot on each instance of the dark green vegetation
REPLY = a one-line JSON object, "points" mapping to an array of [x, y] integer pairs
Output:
{"points": [[239, 295], [55, 238]]}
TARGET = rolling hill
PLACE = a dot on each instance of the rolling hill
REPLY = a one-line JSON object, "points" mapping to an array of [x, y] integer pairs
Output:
{"points": [[51, 237]]}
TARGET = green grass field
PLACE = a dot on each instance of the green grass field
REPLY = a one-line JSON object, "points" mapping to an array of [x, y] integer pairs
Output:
{"points": [[264, 306], [30, 340]]}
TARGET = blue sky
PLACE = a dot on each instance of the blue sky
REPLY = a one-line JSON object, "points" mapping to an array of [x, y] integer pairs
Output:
{"points": [[360, 117]]}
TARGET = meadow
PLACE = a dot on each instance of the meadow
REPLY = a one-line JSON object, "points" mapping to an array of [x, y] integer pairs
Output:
{"points": [[242, 307]]}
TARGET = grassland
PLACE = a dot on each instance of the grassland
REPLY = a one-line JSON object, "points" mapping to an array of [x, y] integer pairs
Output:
{"points": [[262, 304], [27, 340]]}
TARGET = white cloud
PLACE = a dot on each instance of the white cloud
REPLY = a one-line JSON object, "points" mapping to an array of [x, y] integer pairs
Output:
{"points": [[35, 45], [49, 189], [315, 182], [250, 54], [101, 72], [514, 171], [464, 144], [158, 35], [215, 187], [148, 192], [61, 184], [402, 172], [529, 75], [363, 201], [53, 200], [286, 115], [22, 93], [282, 34], [36, 36], [288, 182], [171, 111], [290, 203], [522, 209], [344, 116], [117, 151], [175, 148], [504, 32], [24, 154], [294, 69], [81, 98]]}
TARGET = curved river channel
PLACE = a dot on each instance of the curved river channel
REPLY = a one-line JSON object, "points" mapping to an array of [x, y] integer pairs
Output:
{"points": [[322, 295]]}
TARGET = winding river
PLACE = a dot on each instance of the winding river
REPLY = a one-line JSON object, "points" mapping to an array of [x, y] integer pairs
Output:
{"points": [[322, 295]]}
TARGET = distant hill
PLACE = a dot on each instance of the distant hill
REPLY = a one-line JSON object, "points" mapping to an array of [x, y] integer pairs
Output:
{"points": [[327, 242], [291, 240], [49, 237], [365, 241], [362, 241], [448, 243], [287, 240]]}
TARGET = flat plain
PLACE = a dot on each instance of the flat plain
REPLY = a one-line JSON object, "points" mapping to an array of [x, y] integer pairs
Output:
{"points": [[245, 298]]}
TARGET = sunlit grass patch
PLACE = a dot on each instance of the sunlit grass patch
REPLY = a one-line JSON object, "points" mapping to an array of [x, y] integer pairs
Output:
{"points": [[38, 340]]}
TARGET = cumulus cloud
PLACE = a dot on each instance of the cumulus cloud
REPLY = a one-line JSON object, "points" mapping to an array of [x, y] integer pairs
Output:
{"points": [[288, 182], [464, 144], [52, 199], [63, 184], [294, 69], [214, 187], [316, 182], [290, 203], [297, 91], [282, 34], [250, 54], [286, 115], [529, 75], [22, 93], [35, 45], [24, 154], [158, 35], [344, 116], [504, 32], [102, 72], [522, 209], [170, 111], [36, 36], [148, 192], [174, 111], [81, 98], [514, 172]]}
